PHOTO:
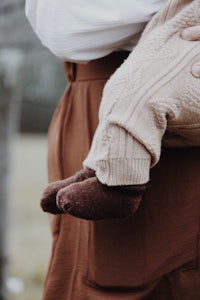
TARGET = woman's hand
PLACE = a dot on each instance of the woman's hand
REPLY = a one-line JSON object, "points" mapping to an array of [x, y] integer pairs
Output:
{"points": [[193, 34]]}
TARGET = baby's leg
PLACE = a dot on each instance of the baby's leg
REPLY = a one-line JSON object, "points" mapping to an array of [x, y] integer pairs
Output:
{"points": [[92, 200]]}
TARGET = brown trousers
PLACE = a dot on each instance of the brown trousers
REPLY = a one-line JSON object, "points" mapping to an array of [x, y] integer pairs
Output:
{"points": [[153, 255]]}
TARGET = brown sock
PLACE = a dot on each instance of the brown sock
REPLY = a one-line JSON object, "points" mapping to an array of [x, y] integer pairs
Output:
{"points": [[48, 200], [91, 200]]}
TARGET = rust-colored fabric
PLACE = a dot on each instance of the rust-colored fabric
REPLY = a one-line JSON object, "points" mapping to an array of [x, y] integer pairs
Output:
{"points": [[155, 254]]}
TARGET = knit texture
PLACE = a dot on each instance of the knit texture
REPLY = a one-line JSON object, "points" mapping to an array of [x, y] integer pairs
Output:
{"points": [[150, 101]]}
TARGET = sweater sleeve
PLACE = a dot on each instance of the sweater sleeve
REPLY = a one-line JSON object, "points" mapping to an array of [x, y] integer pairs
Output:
{"points": [[150, 101], [84, 30]]}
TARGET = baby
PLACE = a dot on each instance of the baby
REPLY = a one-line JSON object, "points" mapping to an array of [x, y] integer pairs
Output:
{"points": [[151, 101]]}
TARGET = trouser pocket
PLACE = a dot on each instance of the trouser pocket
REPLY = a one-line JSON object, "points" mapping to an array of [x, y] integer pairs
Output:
{"points": [[160, 238]]}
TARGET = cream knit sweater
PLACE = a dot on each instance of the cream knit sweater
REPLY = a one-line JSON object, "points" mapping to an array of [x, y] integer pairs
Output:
{"points": [[151, 101]]}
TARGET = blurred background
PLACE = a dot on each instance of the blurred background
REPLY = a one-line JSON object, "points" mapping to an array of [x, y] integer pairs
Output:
{"points": [[31, 83]]}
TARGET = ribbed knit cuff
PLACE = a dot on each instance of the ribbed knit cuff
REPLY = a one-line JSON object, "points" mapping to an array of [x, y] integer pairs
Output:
{"points": [[118, 158], [123, 171]]}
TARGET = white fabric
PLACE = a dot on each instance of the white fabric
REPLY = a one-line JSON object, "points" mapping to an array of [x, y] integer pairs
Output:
{"points": [[80, 31]]}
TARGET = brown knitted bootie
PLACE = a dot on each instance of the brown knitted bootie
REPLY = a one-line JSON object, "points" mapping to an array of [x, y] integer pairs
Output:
{"points": [[91, 200], [48, 200]]}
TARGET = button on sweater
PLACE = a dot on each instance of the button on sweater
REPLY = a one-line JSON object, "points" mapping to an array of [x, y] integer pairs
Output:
{"points": [[151, 101]]}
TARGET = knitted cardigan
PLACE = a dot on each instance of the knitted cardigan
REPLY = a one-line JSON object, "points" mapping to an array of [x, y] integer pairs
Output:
{"points": [[151, 101]]}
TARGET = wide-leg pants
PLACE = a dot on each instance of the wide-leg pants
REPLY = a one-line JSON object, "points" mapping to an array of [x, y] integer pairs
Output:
{"points": [[153, 255]]}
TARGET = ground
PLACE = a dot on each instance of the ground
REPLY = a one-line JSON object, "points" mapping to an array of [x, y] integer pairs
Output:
{"points": [[29, 234]]}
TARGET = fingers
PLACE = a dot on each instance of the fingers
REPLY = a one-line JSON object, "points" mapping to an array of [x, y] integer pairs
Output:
{"points": [[196, 70], [191, 33]]}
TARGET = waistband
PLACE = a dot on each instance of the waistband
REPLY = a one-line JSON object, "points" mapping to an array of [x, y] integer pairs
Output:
{"points": [[101, 68]]}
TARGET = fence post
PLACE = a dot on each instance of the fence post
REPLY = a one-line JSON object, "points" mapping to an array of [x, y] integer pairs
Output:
{"points": [[11, 62]]}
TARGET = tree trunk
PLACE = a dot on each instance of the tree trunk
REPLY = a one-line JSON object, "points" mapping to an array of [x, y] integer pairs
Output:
{"points": [[10, 94]]}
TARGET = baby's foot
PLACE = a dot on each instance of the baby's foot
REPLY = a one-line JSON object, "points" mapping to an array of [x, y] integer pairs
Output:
{"points": [[91, 200], [48, 200]]}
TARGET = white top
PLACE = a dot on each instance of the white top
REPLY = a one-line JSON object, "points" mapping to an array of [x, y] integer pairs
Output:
{"points": [[82, 30]]}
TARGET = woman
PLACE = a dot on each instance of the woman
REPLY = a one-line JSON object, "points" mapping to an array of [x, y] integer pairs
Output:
{"points": [[154, 254]]}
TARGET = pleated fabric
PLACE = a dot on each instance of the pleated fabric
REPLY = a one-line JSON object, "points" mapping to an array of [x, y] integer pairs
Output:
{"points": [[153, 255]]}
